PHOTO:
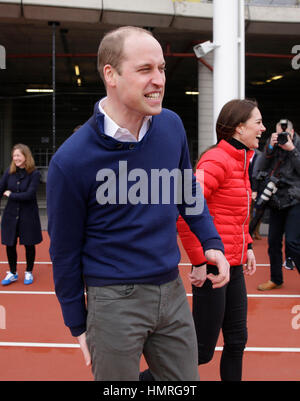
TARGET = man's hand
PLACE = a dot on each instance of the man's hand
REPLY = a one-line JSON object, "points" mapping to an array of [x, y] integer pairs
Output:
{"points": [[84, 348], [288, 145], [273, 140], [198, 276], [217, 258], [250, 267]]}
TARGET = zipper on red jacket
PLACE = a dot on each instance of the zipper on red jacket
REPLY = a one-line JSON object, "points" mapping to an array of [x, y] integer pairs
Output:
{"points": [[248, 211]]}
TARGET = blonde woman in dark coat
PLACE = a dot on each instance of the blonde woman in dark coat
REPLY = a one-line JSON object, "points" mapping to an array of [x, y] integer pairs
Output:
{"points": [[21, 215]]}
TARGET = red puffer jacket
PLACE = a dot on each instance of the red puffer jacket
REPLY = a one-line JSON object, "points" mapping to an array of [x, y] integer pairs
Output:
{"points": [[228, 194]]}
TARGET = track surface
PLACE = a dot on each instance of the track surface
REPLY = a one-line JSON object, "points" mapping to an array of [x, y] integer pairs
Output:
{"points": [[35, 344]]}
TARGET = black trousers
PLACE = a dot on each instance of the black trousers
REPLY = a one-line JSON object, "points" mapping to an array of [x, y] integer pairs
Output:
{"points": [[285, 221], [12, 257], [222, 308]]}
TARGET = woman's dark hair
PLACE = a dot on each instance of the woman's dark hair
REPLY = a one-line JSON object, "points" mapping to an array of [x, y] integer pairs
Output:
{"points": [[233, 113]]}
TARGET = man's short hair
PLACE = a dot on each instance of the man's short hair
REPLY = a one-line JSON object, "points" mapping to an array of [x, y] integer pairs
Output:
{"points": [[111, 47]]}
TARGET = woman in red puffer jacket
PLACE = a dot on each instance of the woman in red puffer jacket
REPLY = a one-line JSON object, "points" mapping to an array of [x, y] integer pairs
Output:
{"points": [[225, 180]]}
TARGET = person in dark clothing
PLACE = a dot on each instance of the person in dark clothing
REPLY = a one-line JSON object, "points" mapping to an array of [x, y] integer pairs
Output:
{"points": [[282, 162], [119, 241], [253, 181], [21, 215]]}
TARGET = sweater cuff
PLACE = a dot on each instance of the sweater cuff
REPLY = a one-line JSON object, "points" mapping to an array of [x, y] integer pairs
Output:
{"points": [[77, 331], [213, 244], [201, 264], [250, 246]]}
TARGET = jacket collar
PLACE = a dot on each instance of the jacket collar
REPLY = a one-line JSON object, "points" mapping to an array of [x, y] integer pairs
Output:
{"points": [[238, 154]]}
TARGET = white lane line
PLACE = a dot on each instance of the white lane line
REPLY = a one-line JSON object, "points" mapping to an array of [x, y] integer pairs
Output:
{"points": [[266, 349], [37, 262], [273, 295], [41, 345], [29, 292], [66, 345]]}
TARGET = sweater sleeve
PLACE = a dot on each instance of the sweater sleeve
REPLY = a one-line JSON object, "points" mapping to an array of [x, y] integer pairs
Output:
{"points": [[66, 209]]}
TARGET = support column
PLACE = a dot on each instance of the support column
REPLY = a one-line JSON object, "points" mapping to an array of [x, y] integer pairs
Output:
{"points": [[206, 128], [228, 34]]}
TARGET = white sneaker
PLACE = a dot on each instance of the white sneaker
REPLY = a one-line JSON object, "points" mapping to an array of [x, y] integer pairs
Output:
{"points": [[9, 278], [28, 278], [289, 264]]}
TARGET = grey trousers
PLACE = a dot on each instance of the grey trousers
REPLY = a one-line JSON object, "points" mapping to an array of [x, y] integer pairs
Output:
{"points": [[126, 321]]}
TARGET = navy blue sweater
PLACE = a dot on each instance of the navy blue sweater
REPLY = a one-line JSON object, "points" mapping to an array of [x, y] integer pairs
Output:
{"points": [[122, 241]]}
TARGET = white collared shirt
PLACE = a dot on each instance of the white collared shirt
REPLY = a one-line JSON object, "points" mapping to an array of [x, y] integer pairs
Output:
{"points": [[123, 134]]}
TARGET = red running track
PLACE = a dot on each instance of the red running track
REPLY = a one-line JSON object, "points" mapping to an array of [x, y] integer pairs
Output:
{"points": [[35, 344]]}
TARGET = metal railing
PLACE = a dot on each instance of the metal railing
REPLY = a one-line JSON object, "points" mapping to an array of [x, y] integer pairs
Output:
{"points": [[42, 157]]}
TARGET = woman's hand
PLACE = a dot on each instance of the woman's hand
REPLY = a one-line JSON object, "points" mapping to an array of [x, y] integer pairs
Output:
{"points": [[250, 267], [198, 275], [7, 193]]}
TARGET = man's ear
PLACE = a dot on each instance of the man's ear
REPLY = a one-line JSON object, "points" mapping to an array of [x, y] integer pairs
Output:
{"points": [[109, 74]]}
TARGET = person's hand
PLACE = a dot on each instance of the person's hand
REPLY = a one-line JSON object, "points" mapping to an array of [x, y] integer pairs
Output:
{"points": [[7, 193], [250, 267], [217, 258], [254, 195], [274, 139], [198, 276], [288, 145], [84, 348]]}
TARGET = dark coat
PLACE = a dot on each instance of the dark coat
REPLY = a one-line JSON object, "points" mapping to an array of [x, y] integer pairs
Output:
{"points": [[285, 166], [21, 214]]}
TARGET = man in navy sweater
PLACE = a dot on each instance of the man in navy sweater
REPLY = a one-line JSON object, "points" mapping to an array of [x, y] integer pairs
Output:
{"points": [[114, 192]]}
